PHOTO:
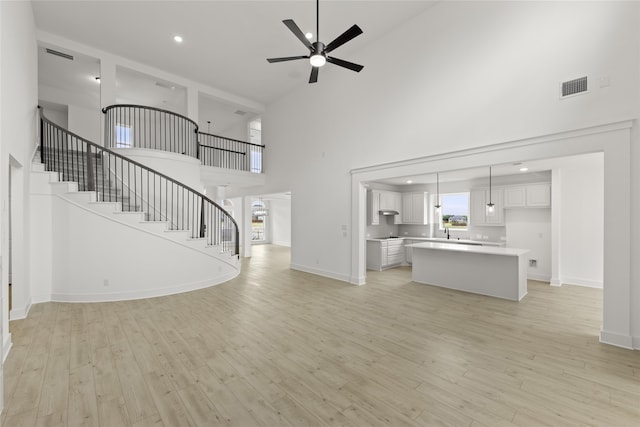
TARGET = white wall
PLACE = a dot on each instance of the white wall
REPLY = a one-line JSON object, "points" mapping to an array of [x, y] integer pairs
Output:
{"points": [[469, 74], [581, 218], [18, 85], [85, 122], [530, 228], [57, 116], [280, 221]]}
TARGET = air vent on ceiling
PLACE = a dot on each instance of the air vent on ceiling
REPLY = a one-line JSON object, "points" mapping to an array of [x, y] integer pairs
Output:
{"points": [[240, 112], [574, 87], [60, 54]]}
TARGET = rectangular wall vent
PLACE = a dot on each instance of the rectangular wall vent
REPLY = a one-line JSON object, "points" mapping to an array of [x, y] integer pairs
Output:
{"points": [[240, 112], [574, 87], [60, 54]]}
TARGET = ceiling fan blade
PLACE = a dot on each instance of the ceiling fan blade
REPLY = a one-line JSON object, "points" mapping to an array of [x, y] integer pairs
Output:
{"points": [[286, 58], [298, 33], [351, 33], [346, 64], [314, 74]]}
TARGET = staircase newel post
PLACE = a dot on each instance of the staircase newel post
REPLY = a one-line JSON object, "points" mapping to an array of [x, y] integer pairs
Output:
{"points": [[90, 176]]}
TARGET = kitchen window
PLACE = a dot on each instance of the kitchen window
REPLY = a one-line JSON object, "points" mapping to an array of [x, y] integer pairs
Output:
{"points": [[454, 211]]}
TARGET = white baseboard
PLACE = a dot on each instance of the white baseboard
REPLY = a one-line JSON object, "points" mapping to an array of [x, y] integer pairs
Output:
{"points": [[581, 282], [635, 342], [624, 341], [358, 280], [539, 277], [6, 346], [151, 293], [318, 272], [19, 313]]}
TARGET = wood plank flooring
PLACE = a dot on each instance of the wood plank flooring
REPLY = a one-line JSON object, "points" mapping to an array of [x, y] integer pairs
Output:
{"points": [[277, 347]]}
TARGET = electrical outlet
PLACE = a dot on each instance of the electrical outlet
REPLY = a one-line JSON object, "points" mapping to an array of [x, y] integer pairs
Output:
{"points": [[105, 283], [406, 232], [533, 263]]}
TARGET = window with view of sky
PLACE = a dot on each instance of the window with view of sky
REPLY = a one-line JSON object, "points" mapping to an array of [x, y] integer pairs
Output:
{"points": [[454, 212]]}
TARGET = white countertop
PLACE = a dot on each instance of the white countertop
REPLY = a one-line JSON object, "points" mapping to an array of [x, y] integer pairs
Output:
{"points": [[470, 249], [441, 240]]}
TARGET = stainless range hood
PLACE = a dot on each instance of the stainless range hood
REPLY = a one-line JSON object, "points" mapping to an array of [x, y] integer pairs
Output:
{"points": [[388, 212]]}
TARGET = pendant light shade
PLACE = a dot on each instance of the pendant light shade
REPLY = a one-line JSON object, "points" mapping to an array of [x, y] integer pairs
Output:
{"points": [[491, 208], [437, 205]]}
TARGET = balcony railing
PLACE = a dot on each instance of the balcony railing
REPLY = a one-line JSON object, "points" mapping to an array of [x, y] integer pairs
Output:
{"points": [[135, 126], [227, 153]]}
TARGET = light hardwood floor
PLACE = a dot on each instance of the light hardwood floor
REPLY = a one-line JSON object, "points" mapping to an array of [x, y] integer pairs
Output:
{"points": [[277, 347]]}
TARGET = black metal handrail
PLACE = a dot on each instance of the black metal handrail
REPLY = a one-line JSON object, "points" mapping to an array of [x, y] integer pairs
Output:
{"points": [[115, 178], [138, 126], [219, 151]]}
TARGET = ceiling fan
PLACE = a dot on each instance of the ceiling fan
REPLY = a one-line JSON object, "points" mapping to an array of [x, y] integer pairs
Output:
{"points": [[318, 50]]}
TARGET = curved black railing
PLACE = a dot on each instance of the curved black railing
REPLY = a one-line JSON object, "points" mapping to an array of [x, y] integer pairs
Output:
{"points": [[116, 178], [137, 126], [222, 152]]}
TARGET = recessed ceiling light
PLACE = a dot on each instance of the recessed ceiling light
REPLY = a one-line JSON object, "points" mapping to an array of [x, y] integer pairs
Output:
{"points": [[524, 169], [178, 39], [409, 181], [309, 36]]}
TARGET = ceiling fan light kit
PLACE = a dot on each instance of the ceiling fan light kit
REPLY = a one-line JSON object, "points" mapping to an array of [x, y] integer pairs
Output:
{"points": [[318, 50]]}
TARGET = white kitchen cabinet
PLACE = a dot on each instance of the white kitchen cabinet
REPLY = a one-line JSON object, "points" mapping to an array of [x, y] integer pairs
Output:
{"points": [[383, 254], [539, 195], [414, 208], [373, 206], [479, 201], [528, 196], [387, 200], [397, 219], [515, 197], [408, 250]]}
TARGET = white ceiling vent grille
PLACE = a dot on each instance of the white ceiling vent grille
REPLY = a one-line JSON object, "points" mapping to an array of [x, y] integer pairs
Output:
{"points": [[240, 112], [574, 87]]}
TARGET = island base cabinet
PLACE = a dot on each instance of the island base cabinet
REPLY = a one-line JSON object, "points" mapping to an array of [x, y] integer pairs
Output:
{"points": [[486, 274]]}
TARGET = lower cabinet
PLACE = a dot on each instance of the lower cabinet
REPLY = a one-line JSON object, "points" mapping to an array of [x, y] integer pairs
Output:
{"points": [[408, 252], [383, 254]]}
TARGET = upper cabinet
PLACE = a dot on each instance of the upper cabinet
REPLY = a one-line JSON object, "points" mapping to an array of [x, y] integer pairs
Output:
{"points": [[528, 196], [414, 208], [378, 200], [478, 209]]}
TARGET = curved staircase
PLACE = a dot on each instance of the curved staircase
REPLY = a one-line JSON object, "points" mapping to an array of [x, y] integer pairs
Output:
{"points": [[121, 230]]}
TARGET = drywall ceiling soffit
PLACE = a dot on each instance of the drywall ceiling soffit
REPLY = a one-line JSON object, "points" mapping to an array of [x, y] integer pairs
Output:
{"points": [[226, 43]]}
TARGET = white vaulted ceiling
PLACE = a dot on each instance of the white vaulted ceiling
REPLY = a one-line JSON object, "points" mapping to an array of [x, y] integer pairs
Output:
{"points": [[226, 43]]}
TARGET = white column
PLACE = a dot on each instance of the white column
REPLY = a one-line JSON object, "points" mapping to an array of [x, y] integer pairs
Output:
{"points": [[245, 232], [192, 104], [556, 226], [107, 89]]}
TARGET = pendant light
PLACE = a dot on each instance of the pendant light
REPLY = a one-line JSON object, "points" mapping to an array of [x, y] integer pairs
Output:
{"points": [[438, 205], [491, 208]]}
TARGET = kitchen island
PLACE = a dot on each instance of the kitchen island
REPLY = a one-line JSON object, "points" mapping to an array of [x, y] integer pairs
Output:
{"points": [[494, 271]]}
